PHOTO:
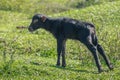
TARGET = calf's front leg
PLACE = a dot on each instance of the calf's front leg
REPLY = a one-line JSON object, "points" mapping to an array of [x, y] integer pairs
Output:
{"points": [[63, 53], [59, 50]]}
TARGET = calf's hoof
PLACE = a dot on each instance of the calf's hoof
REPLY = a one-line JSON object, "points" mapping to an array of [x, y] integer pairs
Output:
{"points": [[58, 64], [101, 70], [111, 67], [63, 65]]}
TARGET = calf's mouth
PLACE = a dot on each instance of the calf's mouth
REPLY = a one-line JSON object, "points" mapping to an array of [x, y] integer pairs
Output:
{"points": [[30, 29]]}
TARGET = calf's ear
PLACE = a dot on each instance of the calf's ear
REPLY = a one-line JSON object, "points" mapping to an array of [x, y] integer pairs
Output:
{"points": [[43, 18]]}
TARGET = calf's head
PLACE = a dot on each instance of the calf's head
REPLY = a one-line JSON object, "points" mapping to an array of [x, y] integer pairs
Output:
{"points": [[37, 22]]}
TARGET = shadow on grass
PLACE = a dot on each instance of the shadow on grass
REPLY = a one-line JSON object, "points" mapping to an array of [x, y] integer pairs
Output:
{"points": [[74, 69]]}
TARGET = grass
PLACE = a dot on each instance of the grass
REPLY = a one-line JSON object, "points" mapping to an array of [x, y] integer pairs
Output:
{"points": [[33, 56], [47, 6], [42, 68]]}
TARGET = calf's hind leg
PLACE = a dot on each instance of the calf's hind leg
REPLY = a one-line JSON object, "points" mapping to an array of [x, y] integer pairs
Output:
{"points": [[92, 48], [101, 51]]}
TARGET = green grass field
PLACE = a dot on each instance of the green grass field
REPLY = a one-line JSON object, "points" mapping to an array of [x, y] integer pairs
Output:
{"points": [[32, 56]]}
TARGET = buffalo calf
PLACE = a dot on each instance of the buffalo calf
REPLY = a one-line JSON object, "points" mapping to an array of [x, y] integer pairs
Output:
{"points": [[67, 28]]}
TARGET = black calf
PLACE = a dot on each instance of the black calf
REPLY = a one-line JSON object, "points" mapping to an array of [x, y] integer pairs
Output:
{"points": [[66, 28]]}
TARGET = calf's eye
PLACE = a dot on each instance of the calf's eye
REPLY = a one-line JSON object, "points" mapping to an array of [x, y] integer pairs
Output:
{"points": [[35, 21]]}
